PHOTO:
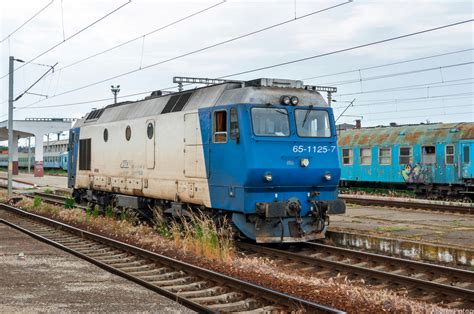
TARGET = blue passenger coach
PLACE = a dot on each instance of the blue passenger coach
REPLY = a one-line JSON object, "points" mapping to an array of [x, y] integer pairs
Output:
{"points": [[428, 158]]}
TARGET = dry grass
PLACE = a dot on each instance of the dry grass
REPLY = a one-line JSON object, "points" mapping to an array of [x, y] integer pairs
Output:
{"points": [[199, 241], [199, 234]]}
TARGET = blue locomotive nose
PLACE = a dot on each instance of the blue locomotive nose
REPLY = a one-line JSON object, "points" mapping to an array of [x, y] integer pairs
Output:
{"points": [[283, 174]]}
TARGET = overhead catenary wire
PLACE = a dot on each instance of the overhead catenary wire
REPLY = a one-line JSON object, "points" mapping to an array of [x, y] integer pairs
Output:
{"points": [[390, 64], [27, 21], [413, 87], [412, 99], [348, 49], [424, 116], [68, 38], [194, 52], [137, 38], [416, 109], [142, 36], [397, 74]]}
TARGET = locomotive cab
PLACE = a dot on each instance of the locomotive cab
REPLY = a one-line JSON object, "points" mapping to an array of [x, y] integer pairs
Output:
{"points": [[275, 167]]}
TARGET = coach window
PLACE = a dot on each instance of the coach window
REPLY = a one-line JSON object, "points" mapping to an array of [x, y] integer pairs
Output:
{"points": [[406, 156], [234, 125], [385, 155], [128, 133], [449, 154], [365, 156], [347, 156], [149, 130], [428, 155], [106, 135], [220, 126]]}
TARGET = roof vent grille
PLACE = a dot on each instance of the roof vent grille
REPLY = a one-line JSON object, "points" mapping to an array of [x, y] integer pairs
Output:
{"points": [[176, 102], [95, 114]]}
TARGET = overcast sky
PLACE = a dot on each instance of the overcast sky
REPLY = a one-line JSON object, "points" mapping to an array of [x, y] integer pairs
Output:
{"points": [[444, 94]]}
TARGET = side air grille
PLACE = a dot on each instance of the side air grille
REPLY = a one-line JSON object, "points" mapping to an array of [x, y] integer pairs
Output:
{"points": [[94, 115], [176, 102]]}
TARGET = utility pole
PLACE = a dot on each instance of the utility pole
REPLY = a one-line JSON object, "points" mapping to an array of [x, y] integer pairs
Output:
{"points": [[115, 90], [10, 125]]}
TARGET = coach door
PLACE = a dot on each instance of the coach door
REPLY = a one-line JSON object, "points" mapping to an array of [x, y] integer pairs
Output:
{"points": [[150, 144], [467, 166]]}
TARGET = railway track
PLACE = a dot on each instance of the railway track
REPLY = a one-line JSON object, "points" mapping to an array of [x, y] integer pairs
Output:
{"points": [[50, 198], [199, 289], [427, 282], [463, 208]]}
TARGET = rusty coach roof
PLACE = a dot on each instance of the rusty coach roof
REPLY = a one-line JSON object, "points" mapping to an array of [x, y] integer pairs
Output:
{"points": [[408, 134]]}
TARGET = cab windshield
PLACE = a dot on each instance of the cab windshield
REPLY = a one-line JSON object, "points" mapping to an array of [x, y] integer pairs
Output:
{"points": [[312, 123], [270, 122]]}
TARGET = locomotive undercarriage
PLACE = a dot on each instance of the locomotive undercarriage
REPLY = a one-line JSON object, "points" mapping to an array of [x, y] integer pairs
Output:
{"points": [[272, 222]]}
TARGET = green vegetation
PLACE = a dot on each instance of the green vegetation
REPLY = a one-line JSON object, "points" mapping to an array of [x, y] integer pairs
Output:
{"points": [[377, 191], [37, 201], [48, 191], [109, 212], [69, 203], [88, 214], [95, 213]]}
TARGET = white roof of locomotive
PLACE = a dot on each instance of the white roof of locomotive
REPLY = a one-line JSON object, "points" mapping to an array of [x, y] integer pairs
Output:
{"points": [[215, 95]]}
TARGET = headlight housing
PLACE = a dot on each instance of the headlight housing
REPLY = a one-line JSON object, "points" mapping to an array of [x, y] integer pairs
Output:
{"points": [[294, 100], [304, 162], [285, 100], [268, 176]]}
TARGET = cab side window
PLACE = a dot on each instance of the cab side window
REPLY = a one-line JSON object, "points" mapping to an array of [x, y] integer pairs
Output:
{"points": [[220, 126]]}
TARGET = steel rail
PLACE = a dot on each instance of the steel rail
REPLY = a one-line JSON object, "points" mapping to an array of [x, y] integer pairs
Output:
{"points": [[53, 197], [350, 261], [403, 203], [70, 236]]}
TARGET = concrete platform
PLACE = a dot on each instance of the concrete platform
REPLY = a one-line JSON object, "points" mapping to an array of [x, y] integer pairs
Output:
{"points": [[416, 225], [46, 181], [49, 280]]}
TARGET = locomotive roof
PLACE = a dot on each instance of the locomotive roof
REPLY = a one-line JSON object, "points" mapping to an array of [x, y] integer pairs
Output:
{"points": [[408, 135], [209, 96]]}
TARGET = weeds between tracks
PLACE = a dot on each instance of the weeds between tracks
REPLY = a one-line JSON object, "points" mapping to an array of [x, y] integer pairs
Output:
{"points": [[180, 244]]}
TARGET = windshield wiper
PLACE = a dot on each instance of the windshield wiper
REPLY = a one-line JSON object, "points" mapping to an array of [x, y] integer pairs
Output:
{"points": [[306, 115], [282, 112]]}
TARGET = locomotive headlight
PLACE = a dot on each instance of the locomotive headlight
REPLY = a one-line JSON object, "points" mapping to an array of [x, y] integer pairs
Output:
{"points": [[304, 162], [294, 100], [268, 176], [285, 100], [327, 176]]}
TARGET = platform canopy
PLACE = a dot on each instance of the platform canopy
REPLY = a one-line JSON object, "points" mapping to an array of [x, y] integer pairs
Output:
{"points": [[37, 127]]}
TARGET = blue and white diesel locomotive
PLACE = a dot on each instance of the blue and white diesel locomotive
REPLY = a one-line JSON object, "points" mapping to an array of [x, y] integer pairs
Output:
{"points": [[262, 152]]}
